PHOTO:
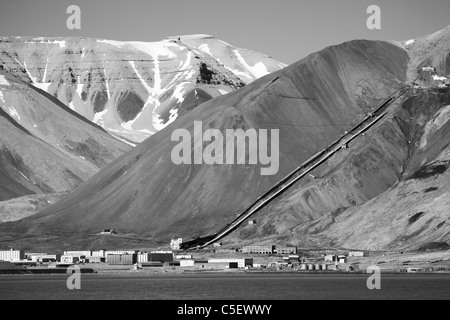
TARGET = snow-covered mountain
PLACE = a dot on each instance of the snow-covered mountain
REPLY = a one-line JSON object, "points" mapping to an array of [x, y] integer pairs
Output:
{"points": [[133, 89]]}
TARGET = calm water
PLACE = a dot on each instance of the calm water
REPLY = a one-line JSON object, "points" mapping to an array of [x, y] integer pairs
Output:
{"points": [[225, 286]]}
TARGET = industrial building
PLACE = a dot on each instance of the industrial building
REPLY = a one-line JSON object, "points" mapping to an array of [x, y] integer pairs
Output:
{"points": [[176, 243], [285, 250], [98, 253], [143, 257], [69, 259], [183, 256], [428, 69], [233, 262], [108, 231], [161, 256], [121, 259], [356, 254], [336, 258], [45, 257], [78, 253], [188, 263], [95, 259], [12, 255], [258, 249], [217, 263], [28, 255], [120, 252]]}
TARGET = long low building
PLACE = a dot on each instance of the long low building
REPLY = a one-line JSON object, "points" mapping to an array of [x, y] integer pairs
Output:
{"points": [[78, 253], [45, 258], [258, 249], [240, 262], [217, 263], [161, 256], [69, 259], [121, 259]]}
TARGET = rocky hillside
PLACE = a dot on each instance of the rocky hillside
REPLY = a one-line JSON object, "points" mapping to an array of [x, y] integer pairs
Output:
{"points": [[133, 89], [46, 147], [387, 191], [310, 102]]}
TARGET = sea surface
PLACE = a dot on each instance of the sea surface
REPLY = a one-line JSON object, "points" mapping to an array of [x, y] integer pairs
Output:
{"points": [[240, 286]]}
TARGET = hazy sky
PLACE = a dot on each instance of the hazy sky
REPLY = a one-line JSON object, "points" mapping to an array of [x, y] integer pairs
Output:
{"points": [[288, 30]]}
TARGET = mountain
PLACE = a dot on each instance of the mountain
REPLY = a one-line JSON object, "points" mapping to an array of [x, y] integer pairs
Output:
{"points": [[130, 88], [390, 190], [387, 190], [46, 147], [310, 102]]}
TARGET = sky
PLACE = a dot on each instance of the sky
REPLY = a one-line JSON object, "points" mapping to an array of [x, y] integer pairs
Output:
{"points": [[287, 30]]}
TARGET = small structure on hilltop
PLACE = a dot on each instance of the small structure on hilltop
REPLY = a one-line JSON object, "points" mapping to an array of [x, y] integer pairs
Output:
{"points": [[428, 69], [176, 243], [108, 231]]}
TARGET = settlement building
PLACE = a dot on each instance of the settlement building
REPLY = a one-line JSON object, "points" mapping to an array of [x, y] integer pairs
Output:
{"points": [[11, 255], [258, 249], [98, 253], [233, 262], [183, 256], [120, 252], [78, 253], [143, 257], [121, 259], [285, 250], [175, 243], [108, 231], [161, 256], [356, 254], [45, 257], [69, 259], [428, 69]]}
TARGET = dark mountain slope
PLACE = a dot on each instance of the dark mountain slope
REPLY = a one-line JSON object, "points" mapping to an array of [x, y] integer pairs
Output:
{"points": [[311, 102]]}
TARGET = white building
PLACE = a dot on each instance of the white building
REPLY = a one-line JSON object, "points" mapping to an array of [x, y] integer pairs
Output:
{"points": [[356, 254], [11, 255], [119, 252], [143, 257], [241, 262], [175, 243], [108, 231], [44, 257], [69, 259], [428, 69], [78, 253], [269, 249], [187, 263], [336, 258], [98, 253], [183, 256]]}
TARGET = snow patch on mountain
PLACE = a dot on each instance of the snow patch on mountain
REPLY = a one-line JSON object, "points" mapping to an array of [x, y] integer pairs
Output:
{"points": [[179, 94], [13, 113], [41, 85], [98, 117], [118, 44], [3, 81], [79, 87], [258, 70], [204, 47]]}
